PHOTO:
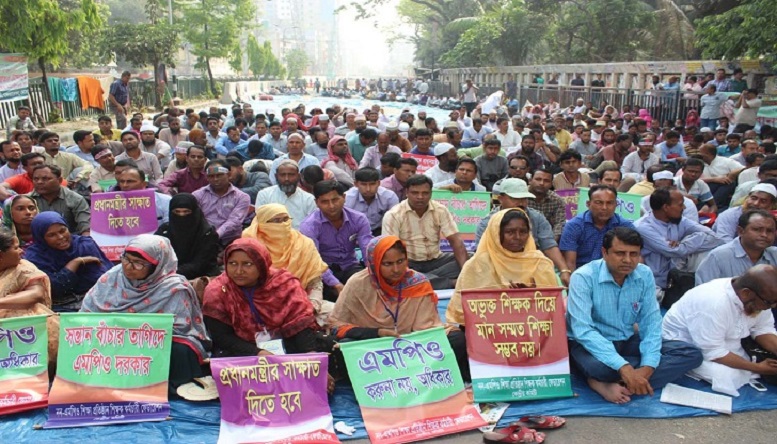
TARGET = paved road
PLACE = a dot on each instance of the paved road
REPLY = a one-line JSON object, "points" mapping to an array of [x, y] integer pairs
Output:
{"points": [[751, 428]]}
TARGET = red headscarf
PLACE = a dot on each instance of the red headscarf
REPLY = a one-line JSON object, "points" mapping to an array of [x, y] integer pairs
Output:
{"points": [[300, 123], [334, 158], [282, 303]]}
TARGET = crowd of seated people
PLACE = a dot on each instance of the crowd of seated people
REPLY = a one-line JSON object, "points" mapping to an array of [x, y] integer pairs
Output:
{"points": [[314, 228]]}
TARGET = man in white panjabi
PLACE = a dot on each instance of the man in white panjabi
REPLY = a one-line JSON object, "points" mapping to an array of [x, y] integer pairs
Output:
{"points": [[717, 315]]}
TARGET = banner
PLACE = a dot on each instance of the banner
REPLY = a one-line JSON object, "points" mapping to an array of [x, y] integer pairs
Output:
{"points": [[14, 79], [24, 358], [274, 399], [111, 368], [424, 162], [119, 216], [627, 206], [571, 198], [468, 208], [409, 388], [517, 344]]}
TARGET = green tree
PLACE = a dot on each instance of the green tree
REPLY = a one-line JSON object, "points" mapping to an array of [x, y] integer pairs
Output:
{"points": [[746, 31], [40, 29], [296, 63], [143, 44], [256, 57], [213, 27]]}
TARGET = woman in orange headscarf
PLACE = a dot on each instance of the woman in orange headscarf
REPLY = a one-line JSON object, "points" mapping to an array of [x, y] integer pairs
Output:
{"points": [[388, 299], [292, 251]]}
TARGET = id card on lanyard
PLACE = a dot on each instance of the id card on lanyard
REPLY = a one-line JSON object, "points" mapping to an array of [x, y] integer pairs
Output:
{"points": [[394, 314], [262, 335]]}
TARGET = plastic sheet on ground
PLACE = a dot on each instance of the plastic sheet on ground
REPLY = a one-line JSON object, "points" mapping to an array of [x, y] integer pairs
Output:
{"points": [[199, 422]]}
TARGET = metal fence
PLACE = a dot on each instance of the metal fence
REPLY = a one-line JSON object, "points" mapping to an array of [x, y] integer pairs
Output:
{"points": [[141, 91], [664, 106]]}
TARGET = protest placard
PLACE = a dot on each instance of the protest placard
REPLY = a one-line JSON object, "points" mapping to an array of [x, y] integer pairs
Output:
{"points": [[424, 162], [274, 399], [468, 208], [628, 206], [409, 388], [14, 78], [111, 368], [571, 199], [117, 217], [517, 344], [24, 376]]}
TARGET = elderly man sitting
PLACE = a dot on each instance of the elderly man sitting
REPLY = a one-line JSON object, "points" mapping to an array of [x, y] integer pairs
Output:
{"points": [[715, 316], [761, 197]]}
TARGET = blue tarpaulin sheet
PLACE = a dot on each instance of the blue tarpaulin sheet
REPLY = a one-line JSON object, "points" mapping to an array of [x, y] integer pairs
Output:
{"points": [[199, 422]]}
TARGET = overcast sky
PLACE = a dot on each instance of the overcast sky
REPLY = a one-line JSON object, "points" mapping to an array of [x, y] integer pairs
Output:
{"points": [[364, 43]]}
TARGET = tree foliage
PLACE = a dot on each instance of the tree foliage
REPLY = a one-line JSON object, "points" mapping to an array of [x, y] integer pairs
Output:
{"points": [[40, 28], [296, 63], [149, 43], [213, 27], [261, 60], [745, 31], [460, 33]]}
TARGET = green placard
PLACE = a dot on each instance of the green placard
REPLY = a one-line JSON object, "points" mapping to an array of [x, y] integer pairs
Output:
{"points": [[106, 184], [468, 208], [120, 351], [413, 370], [628, 206], [23, 347]]}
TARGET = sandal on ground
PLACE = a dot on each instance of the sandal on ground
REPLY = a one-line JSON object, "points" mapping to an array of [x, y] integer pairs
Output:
{"points": [[200, 389], [541, 422], [515, 435]]}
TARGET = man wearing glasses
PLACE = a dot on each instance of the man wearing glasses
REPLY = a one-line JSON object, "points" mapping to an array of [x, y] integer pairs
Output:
{"points": [[717, 315]]}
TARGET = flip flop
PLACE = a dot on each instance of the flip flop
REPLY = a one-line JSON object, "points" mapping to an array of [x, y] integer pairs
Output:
{"points": [[514, 435], [200, 389], [541, 422]]}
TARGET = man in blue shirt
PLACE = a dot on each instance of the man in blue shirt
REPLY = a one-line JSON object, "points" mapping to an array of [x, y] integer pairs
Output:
{"points": [[581, 240], [369, 198], [753, 246], [672, 149], [606, 298], [336, 231], [230, 142], [671, 239]]}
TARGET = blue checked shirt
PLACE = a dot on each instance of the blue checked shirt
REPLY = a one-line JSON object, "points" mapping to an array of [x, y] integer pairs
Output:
{"points": [[581, 235], [599, 311]]}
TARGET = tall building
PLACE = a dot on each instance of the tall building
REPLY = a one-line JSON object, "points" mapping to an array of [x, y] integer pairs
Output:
{"points": [[306, 25]]}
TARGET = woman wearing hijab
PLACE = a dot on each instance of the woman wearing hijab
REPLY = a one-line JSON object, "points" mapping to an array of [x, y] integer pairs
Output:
{"points": [[194, 240], [292, 251], [506, 258], [644, 114], [388, 299], [17, 217], [146, 282], [340, 161], [73, 263], [252, 304]]}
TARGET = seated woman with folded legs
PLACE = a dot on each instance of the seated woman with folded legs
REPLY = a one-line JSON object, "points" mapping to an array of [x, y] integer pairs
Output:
{"points": [[146, 282], [388, 299], [252, 303], [25, 290], [506, 258], [73, 263], [17, 217], [292, 251]]}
